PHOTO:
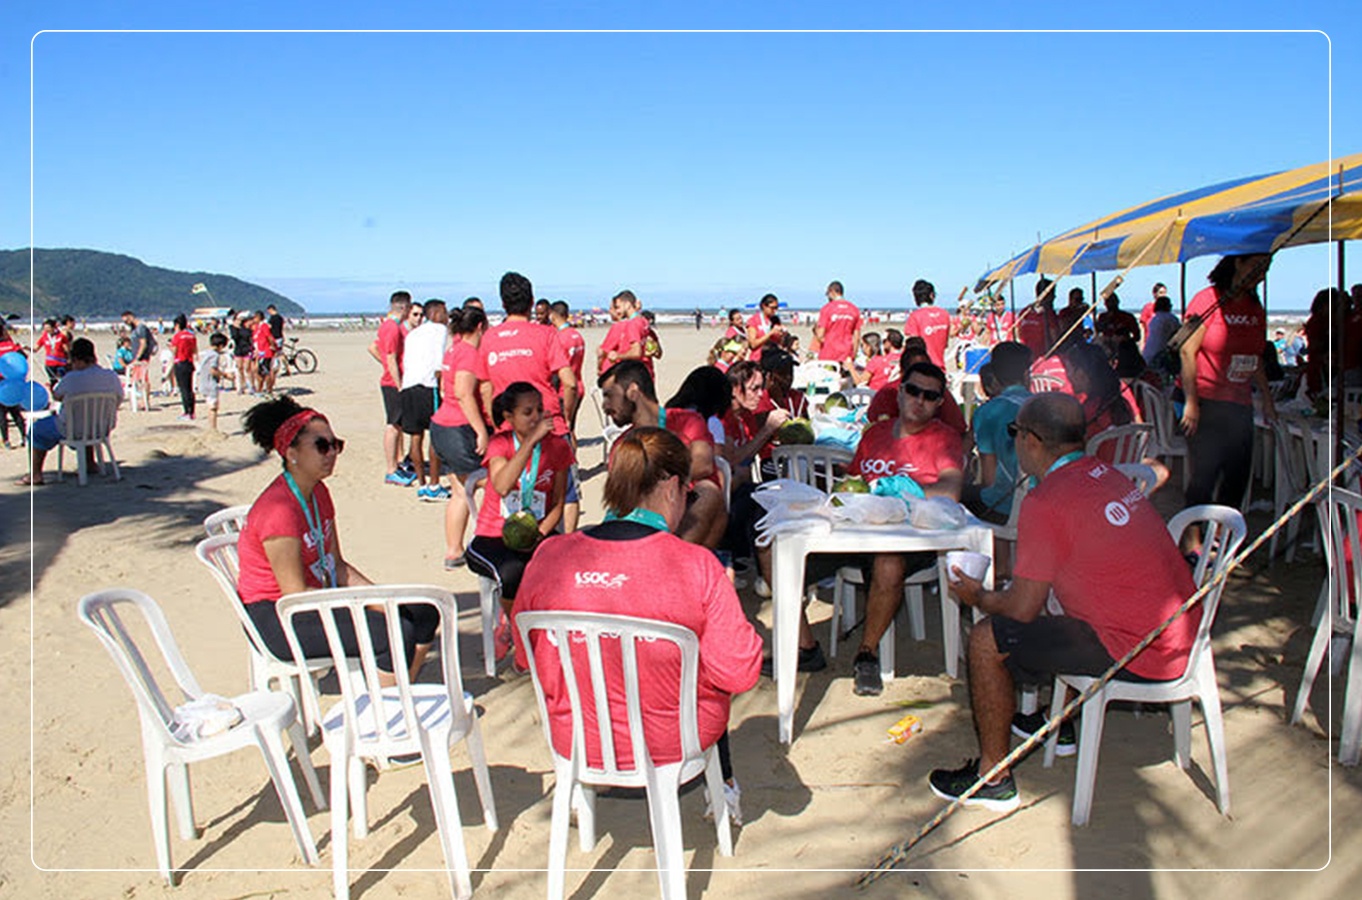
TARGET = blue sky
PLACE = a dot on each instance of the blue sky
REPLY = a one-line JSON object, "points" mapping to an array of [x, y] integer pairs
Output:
{"points": [[694, 168]]}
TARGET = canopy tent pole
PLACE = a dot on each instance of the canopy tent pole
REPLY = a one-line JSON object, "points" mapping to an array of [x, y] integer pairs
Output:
{"points": [[1182, 288], [1110, 288], [1341, 279], [1264, 293], [1012, 296]]}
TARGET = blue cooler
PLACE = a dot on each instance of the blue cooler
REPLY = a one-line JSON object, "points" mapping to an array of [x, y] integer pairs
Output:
{"points": [[974, 358]]}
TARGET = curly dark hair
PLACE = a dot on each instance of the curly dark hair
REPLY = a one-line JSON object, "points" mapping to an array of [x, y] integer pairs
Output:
{"points": [[263, 420]]}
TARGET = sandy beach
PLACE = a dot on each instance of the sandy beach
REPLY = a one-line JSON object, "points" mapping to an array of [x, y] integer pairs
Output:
{"points": [[73, 802]]}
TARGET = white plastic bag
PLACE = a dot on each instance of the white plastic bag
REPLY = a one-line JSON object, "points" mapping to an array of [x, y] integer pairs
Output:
{"points": [[937, 514], [866, 509], [204, 717], [788, 492]]}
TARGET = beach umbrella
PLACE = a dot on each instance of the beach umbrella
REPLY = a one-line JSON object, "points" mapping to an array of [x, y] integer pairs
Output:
{"points": [[11, 391], [1259, 214]]}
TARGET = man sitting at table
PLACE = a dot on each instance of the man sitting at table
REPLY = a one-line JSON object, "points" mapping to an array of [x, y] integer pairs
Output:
{"points": [[1086, 532], [915, 444], [629, 398]]}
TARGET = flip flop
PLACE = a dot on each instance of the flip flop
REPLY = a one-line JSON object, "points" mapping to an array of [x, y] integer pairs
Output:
{"points": [[26, 481]]}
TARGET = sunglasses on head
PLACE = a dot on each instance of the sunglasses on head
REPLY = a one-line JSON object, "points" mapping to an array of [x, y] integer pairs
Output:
{"points": [[325, 445], [913, 390], [1013, 429]]}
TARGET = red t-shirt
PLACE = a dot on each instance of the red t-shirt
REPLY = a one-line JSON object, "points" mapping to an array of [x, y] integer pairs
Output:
{"points": [[1049, 374], [1146, 314], [574, 345], [276, 513], [460, 357], [621, 336], [922, 456], [657, 577], [9, 345], [1231, 347], [390, 340], [933, 325], [885, 405], [517, 350], [554, 456], [1100, 544], [56, 348], [758, 326], [998, 327], [879, 368], [839, 320], [1038, 329], [794, 403], [263, 340], [185, 345], [740, 427]]}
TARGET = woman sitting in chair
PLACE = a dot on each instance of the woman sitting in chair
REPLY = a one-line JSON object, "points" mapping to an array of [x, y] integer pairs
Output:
{"points": [[290, 543], [614, 568]]}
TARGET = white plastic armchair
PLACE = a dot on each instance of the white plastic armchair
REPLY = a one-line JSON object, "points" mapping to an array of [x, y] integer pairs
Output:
{"points": [[87, 422], [818, 376], [265, 717], [489, 589], [1223, 531], [227, 521], [1145, 478], [810, 464], [610, 432], [1127, 443], [219, 555], [1339, 514], [372, 722], [1169, 441], [576, 777]]}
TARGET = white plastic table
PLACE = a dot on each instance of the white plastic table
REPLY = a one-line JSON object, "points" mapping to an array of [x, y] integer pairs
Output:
{"points": [[787, 591]]}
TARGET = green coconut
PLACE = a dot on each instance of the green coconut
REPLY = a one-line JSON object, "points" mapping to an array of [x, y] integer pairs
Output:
{"points": [[836, 401], [521, 531], [853, 484], [651, 347], [795, 431]]}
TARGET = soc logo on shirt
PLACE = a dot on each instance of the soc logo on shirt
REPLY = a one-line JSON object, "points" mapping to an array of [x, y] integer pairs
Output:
{"points": [[877, 467], [599, 579]]}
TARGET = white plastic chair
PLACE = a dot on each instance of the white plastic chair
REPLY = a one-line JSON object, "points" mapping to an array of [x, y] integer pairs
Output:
{"points": [[1145, 478], [412, 718], [576, 777], [137, 386], [489, 589], [818, 376], [859, 397], [87, 420], [1339, 512], [1128, 443], [725, 479], [1223, 532], [265, 717], [1168, 438], [227, 521], [219, 555], [810, 464], [1288, 483]]}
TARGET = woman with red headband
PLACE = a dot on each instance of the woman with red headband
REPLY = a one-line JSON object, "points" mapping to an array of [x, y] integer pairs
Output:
{"points": [[290, 543]]}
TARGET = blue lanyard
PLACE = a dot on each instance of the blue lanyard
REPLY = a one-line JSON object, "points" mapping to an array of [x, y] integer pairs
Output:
{"points": [[662, 417], [641, 516], [1058, 464], [529, 475], [314, 525]]}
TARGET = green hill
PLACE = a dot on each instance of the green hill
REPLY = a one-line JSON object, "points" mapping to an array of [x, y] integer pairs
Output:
{"points": [[94, 284]]}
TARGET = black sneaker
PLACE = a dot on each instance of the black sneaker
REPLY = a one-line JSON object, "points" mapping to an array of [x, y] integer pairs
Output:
{"points": [[1026, 724], [867, 671], [811, 659], [949, 784]]}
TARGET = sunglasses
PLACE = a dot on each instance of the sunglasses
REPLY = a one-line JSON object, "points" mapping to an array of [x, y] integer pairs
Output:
{"points": [[325, 446], [1013, 429], [913, 390]]}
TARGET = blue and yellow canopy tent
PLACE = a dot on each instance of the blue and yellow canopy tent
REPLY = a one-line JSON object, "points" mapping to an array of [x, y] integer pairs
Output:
{"points": [[1261, 214]]}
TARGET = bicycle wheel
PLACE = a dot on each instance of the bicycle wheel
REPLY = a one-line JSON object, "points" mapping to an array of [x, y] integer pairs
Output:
{"points": [[305, 361]]}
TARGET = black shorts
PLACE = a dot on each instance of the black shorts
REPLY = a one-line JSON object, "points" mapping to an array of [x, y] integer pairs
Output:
{"points": [[825, 565], [1039, 650], [457, 447], [264, 364], [419, 622], [392, 405], [418, 405]]}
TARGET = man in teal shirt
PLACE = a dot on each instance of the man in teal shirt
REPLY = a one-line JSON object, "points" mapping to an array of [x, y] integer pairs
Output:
{"points": [[990, 497]]}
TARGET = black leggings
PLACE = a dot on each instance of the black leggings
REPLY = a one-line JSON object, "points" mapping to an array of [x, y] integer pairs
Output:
{"points": [[419, 622], [1221, 449], [184, 377], [490, 557], [15, 413]]}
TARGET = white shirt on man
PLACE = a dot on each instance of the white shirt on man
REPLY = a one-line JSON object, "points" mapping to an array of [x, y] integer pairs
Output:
{"points": [[422, 353]]}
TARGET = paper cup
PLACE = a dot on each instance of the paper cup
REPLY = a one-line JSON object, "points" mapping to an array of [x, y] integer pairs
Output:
{"points": [[975, 565]]}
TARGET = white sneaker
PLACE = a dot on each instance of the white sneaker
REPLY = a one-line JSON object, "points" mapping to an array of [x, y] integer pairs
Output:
{"points": [[732, 799], [761, 587]]}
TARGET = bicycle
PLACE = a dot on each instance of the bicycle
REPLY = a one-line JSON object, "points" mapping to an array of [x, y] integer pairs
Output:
{"points": [[297, 359]]}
